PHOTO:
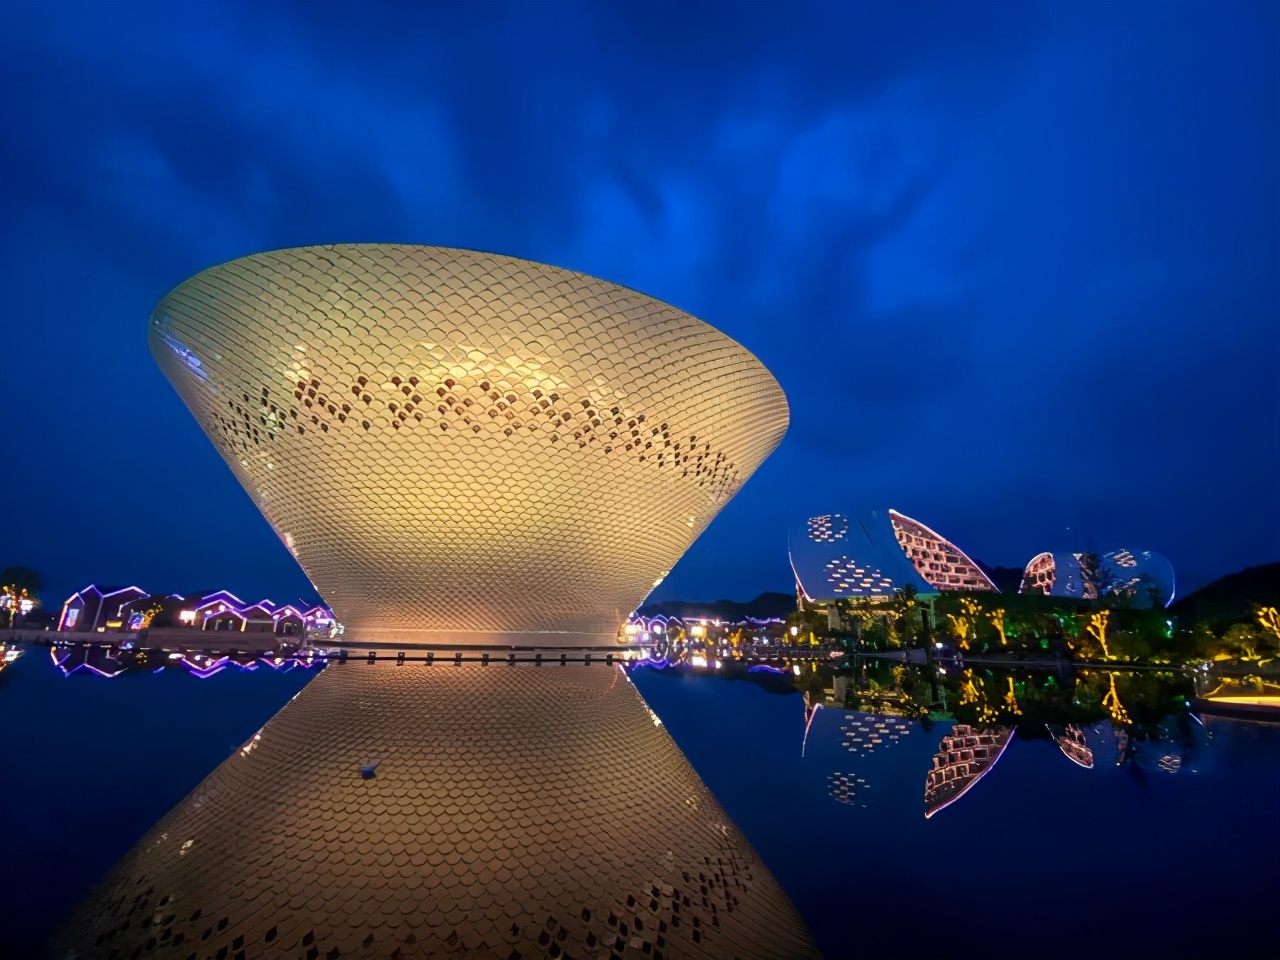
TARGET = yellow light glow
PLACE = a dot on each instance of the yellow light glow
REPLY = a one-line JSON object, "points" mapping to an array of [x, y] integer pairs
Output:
{"points": [[1098, 630]]}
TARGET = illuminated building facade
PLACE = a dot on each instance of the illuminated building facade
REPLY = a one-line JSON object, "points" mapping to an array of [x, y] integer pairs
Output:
{"points": [[94, 607], [466, 448], [870, 556], [1141, 575], [944, 565], [125, 609]]}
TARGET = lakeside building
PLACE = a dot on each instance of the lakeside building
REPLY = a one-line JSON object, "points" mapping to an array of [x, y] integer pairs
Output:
{"points": [[98, 609], [870, 556], [1144, 577], [90, 610], [839, 557], [459, 449]]}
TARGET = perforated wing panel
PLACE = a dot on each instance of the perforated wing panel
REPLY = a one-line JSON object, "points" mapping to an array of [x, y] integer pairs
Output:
{"points": [[514, 812], [466, 447]]}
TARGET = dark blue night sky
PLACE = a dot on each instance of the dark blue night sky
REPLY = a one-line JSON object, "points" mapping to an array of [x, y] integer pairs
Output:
{"points": [[1015, 265]]}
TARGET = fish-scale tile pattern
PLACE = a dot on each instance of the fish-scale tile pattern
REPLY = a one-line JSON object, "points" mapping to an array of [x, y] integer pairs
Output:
{"points": [[514, 812], [465, 447]]}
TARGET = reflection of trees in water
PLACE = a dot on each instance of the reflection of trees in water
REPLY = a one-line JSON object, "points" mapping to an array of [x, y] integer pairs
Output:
{"points": [[1138, 702], [1135, 720]]}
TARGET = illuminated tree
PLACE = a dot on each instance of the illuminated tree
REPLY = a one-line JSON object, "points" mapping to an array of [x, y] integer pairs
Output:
{"points": [[150, 615], [1269, 619], [1111, 702], [19, 587], [1011, 699], [904, 605], [1241, 640], [996, 617], [975, 692], [1098, 629], [962, 625], [862, 611]]}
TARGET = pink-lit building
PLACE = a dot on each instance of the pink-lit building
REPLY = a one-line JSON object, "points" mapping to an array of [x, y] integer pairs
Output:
{"points": [[129, 609]]}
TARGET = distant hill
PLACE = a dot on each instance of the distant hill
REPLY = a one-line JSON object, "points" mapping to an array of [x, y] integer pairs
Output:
{"points": [[761, 608], [1232, 598], [1006, 579]]}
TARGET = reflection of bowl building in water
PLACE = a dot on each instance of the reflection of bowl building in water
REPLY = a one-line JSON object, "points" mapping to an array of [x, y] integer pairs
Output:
{"points": [[530, 812], [459, 448]]}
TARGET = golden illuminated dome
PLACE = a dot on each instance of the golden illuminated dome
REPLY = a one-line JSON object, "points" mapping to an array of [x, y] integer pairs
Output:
{"points": [[462, 447]]}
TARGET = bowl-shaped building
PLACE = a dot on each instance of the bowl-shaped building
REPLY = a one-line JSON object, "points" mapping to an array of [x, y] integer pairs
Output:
{"points": [[467, 448]]}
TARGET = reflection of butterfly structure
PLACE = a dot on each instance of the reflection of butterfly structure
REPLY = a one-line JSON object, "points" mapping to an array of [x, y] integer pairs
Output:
{"points": [[963, 758], [864, 732], [369, 770], [845, 786], [1072, 743]]}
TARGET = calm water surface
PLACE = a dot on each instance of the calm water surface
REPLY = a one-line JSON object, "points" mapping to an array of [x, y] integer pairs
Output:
{"points": [[1173, 854]]}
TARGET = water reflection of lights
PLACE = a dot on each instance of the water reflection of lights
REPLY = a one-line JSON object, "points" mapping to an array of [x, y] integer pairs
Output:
{"points": [[104, 662], [253, 742], [864, 732], [61, 663], [845, 787], [808, 722]]}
